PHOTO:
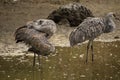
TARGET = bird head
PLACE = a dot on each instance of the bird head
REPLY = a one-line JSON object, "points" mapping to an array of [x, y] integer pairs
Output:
{"points": [[55, 16], [113, 15]]}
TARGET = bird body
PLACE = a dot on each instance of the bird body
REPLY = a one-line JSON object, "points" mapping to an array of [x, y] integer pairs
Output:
{"points": [[35, 39], [91, 28], [74, 13]]}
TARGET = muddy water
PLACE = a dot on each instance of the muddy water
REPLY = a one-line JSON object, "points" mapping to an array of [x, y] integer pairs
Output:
{"points": [[66, 64]]}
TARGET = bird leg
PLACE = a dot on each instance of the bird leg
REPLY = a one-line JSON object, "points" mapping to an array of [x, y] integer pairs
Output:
{"points": [[92, 50], [39, 60], [87, 50], [34, 60], [40, 67]]}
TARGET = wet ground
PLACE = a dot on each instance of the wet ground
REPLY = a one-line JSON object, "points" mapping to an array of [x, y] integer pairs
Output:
{"points": [[67, 63]]}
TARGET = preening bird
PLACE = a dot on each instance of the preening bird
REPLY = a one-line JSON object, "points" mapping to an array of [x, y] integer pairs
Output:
{"points": [[74, 13], [91, 28], [35, 34]]}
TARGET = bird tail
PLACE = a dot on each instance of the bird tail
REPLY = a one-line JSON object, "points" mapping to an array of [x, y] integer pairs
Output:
{"points": [[71, 39], [19, 33]]}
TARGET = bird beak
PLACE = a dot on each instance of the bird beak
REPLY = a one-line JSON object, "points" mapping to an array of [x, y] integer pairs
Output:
{"points": [[116, 17]]}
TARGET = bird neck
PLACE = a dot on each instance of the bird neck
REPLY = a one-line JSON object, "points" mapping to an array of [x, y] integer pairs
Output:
{"points": [[110, 25]]}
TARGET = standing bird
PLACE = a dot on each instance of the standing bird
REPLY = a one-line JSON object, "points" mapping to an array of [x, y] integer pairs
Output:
{"points": [[73, 13], [91, 28], [36, 35]]}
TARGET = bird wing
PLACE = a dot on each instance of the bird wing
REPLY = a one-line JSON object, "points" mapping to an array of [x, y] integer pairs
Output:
{"points": [[90, 28]]}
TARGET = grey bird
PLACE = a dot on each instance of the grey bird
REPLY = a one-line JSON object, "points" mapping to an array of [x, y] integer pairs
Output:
{"points": [[91, 28], [73, 13], [36, 36]]}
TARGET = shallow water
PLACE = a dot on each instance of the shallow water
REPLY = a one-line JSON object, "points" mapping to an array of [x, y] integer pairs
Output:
{"points": [[66, 64]]}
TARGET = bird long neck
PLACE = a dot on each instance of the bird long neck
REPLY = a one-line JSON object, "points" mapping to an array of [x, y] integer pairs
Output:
{"points": [[110, 25]]}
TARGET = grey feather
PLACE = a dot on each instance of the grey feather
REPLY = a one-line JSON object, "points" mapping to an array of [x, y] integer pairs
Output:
{"points": [[43, 25], [90, 28]]}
